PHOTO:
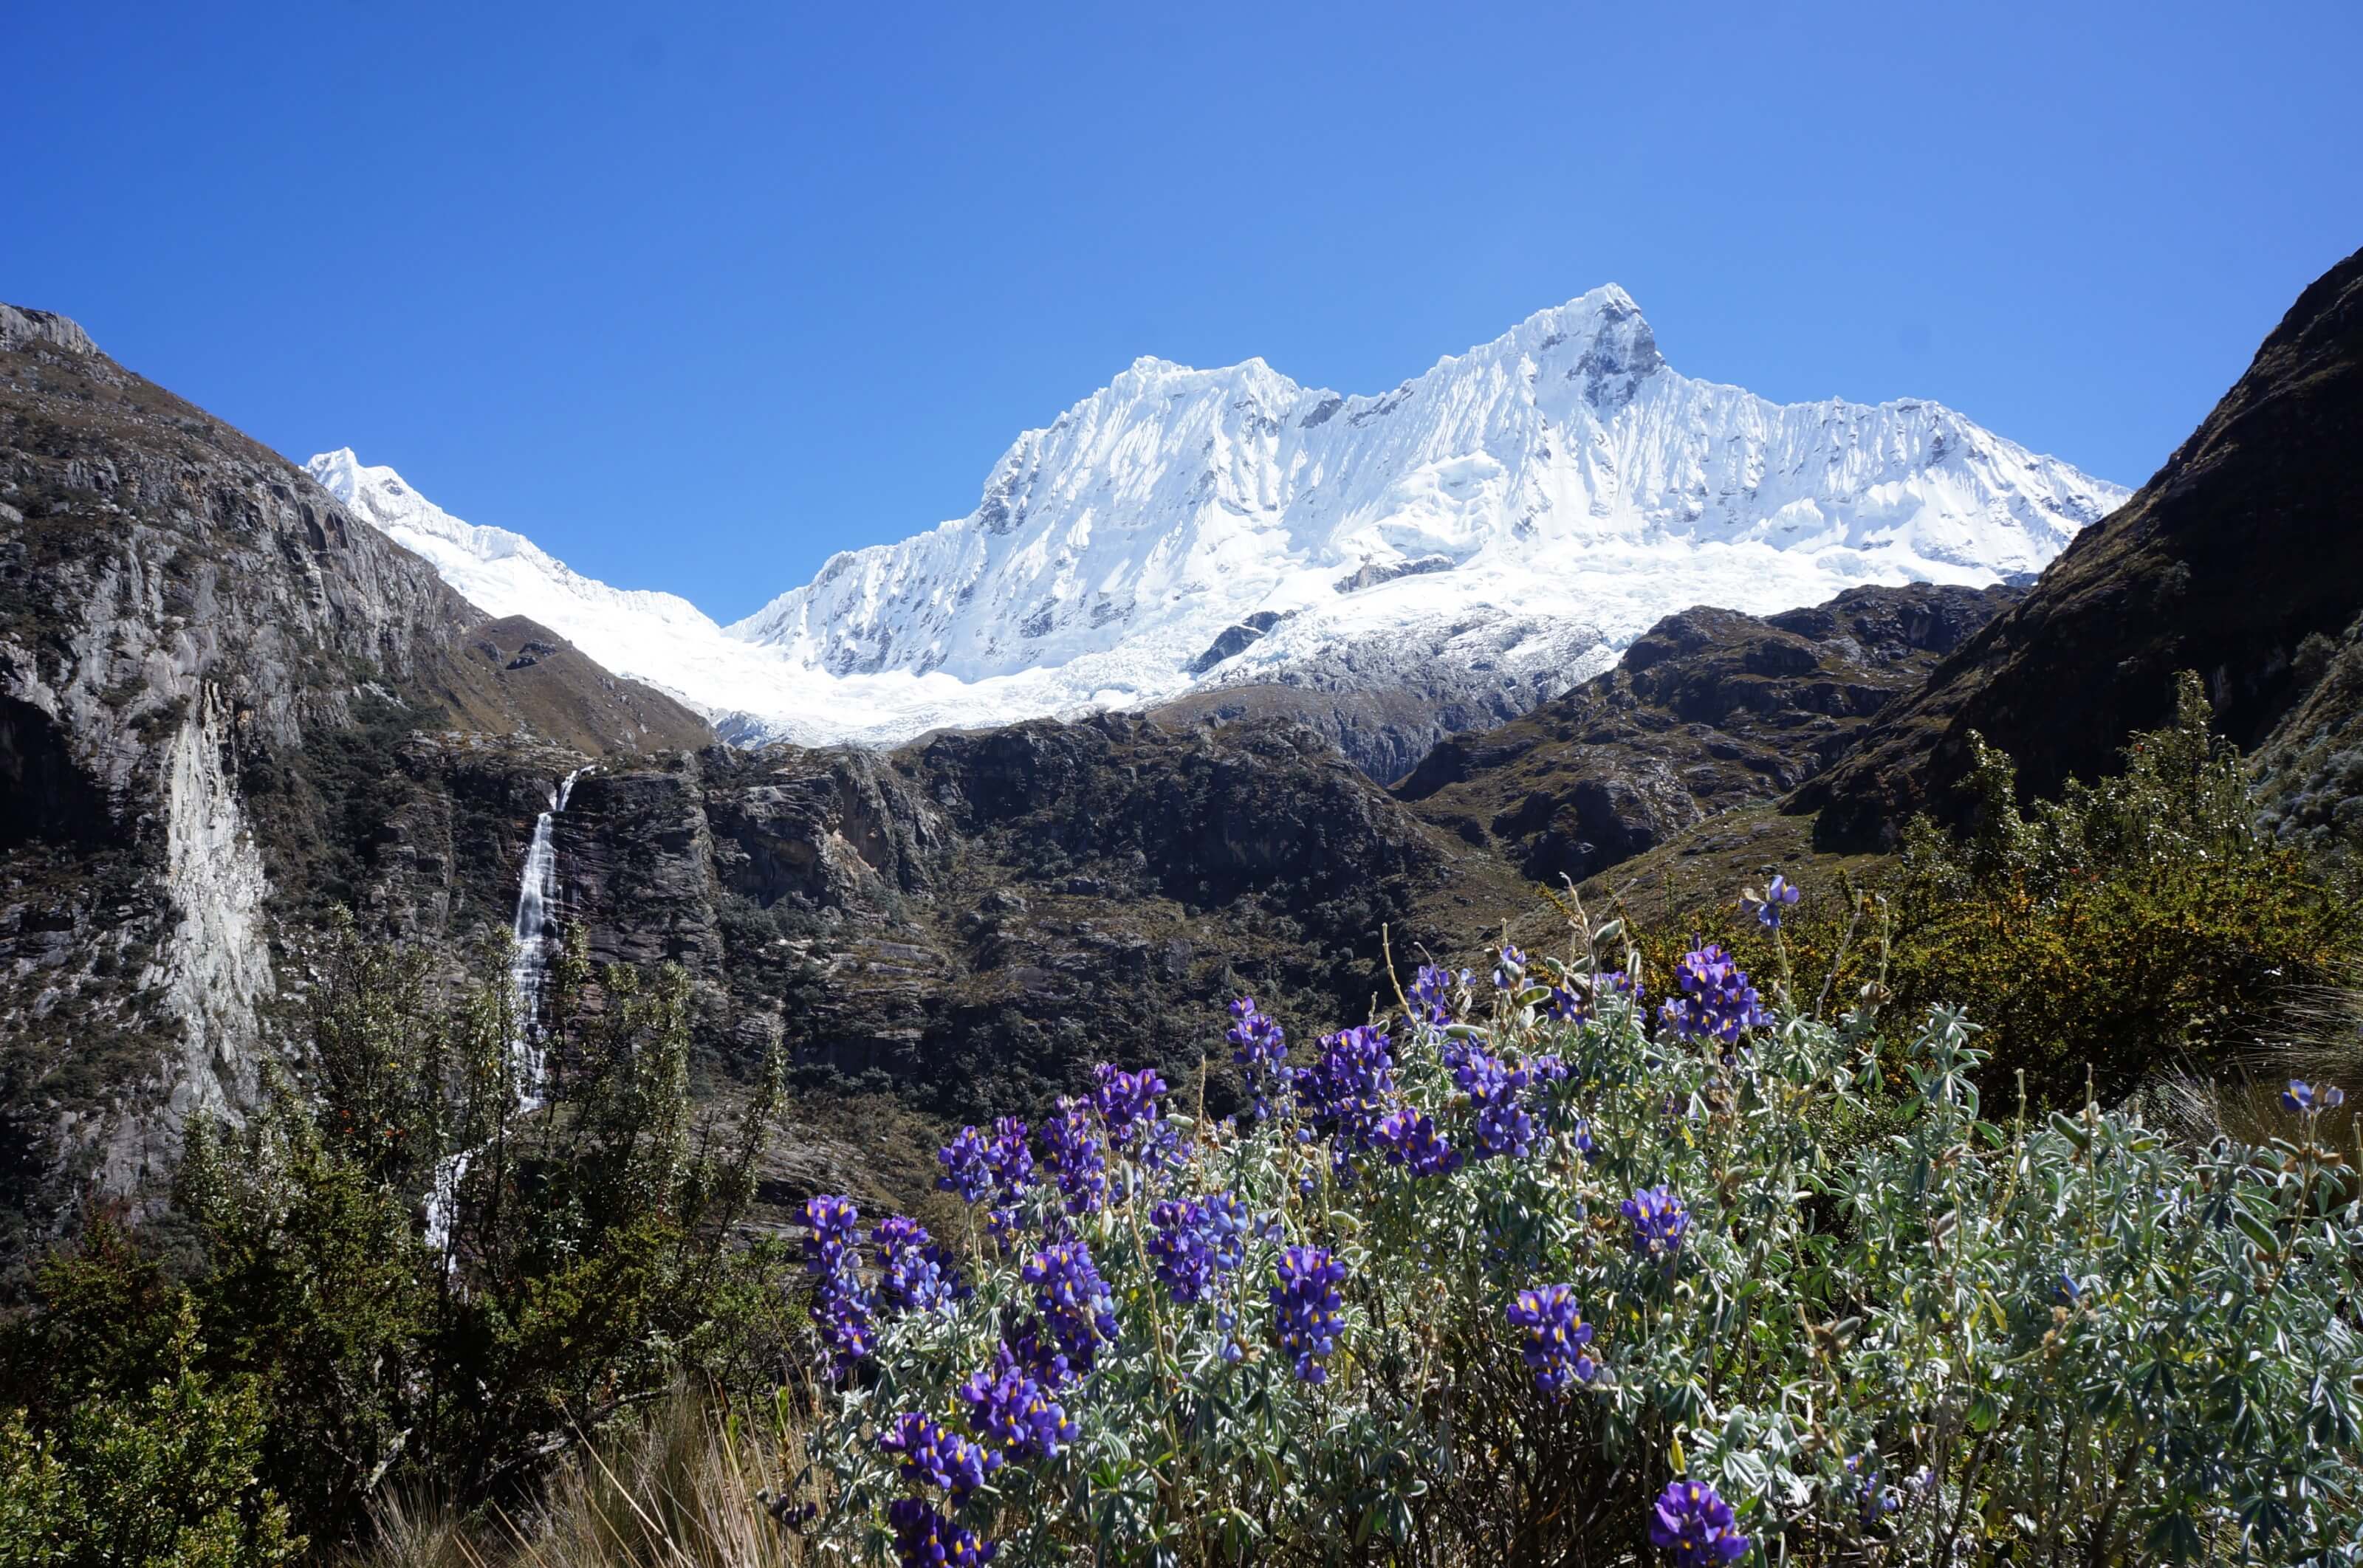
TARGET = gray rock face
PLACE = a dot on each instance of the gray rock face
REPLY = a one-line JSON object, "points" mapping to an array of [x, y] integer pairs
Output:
{"points": [[193, 635], [1386, 703], [19, 327]]}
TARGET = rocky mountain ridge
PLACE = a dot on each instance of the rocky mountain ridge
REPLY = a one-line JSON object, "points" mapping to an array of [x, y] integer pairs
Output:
{"points": [[2240, 552], [1709, 712], [226, 704]]}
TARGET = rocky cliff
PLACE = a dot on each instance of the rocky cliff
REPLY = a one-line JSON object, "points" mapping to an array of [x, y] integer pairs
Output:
{"points": [[2240, 551], [965, 924], [202, 658]]}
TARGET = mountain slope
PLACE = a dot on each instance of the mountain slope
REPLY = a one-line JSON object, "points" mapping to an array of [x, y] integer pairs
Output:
{"points": [[1480, 538], [202, 657], [2244, 547], [1710, 711]]}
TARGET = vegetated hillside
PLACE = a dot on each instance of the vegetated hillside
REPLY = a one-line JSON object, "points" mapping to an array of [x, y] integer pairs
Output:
{"points": [[2239, 557], [206, 664], [1711, 711], [2309, 772]]}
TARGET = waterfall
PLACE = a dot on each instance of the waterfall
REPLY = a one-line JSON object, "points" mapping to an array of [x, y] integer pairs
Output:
{"points": [[535, 937], [535, 930]]}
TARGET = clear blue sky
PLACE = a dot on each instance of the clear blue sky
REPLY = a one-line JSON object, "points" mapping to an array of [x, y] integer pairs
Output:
{"points": [[696, 294]]}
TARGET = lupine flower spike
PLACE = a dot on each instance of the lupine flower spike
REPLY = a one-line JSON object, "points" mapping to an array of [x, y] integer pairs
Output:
{"points": [[925, 1539], [841, 1307], [1013, 1413], [1716, 1002], [930, 1454], [1693, 1522], [1259, 1046], [1553, 1334], [1658, 1220], [1305, 1306]]}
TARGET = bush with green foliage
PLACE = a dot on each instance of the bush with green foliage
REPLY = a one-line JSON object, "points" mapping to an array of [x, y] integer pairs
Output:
{"points": [[592, 1260], [2137, 925], [1531, 1272], [169, 1472]]}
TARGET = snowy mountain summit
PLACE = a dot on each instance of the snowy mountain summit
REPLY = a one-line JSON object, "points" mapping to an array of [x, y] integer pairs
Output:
{"points": [[1477, 539]]}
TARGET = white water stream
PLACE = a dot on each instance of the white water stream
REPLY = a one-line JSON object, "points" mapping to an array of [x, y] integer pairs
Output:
{"points": [[535, 937]]}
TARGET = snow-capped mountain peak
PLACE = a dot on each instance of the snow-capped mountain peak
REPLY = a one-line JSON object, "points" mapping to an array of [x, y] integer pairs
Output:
{"points": [[1486, 533]]}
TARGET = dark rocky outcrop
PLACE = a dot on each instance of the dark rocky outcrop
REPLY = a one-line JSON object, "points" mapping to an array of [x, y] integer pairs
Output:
{"points": [[966, 922], [1708, 711], [2247, 544]]}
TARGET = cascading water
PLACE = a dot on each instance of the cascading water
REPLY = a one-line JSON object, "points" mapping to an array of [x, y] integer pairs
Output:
{"points": [[535, 938], [536, 932]]}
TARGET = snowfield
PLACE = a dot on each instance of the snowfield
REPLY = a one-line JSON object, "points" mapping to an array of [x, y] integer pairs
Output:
{"points": [[1510, 519]]}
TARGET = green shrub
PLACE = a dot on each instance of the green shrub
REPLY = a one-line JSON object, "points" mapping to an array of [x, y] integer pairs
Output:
{"points": [[2134, 925], [164, 1475], [591, 1259], [1957, 1339]]}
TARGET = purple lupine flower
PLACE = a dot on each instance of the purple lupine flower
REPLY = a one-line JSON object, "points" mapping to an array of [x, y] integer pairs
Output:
{"points": [[912, 1276], [1197, 1241], [1553, 1334], [2302, 1099], [1305, 1305], [1259, 1046], [1716, 1002], [836, 1223], [965, 1171], [1032, 1350], [1164, 1149], [842, 1310], [930, 1454], [1694, 1523], [1431, 994], [1659, 1220], [1503, 1125], [1228, 1225], [925, 1539], [1009, 1157], [1566, 1005], [1410, 1140], [1873, 1501], [1073, 1299], [1184, 1254], [1348, 1087], [1071, 1147], [1509, 968], [1013, 1413], [841, 1307], [1769, 905], [1125, 1101], [1583, 1144]]}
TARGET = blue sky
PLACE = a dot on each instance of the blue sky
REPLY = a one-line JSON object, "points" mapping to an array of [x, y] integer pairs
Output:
{"points": [[695, 295]]}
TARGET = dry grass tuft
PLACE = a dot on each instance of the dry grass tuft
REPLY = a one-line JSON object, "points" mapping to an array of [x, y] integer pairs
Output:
{"points": [[684, 1488]]}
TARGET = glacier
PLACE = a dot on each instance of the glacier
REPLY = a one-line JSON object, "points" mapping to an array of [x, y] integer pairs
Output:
{"points": [[1488, 533]]}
